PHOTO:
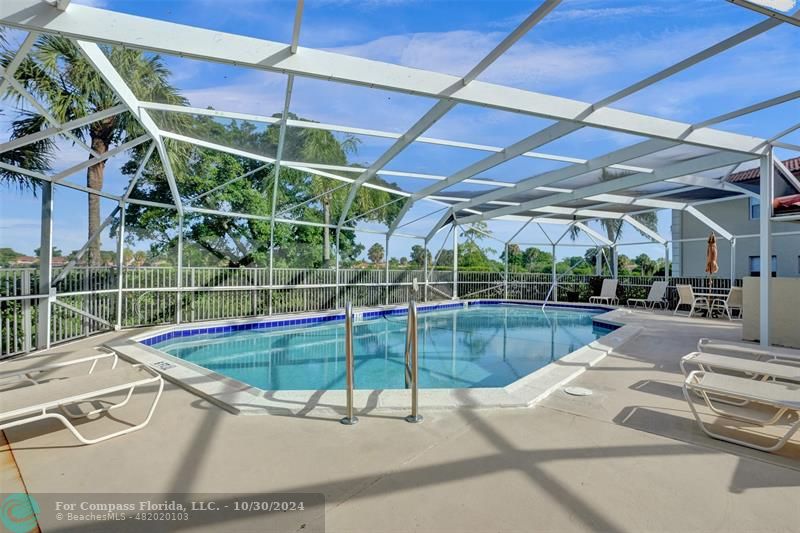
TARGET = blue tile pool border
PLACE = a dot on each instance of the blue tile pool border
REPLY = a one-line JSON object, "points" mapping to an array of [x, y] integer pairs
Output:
{"points": [[278, 322]]}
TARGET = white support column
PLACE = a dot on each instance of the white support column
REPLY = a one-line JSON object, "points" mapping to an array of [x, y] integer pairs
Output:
{"points": [[505, 278], [276, 174], [425, 266], [666, 262], [338, 236], [765, 245], [614, 262], [179, 281], [553, 280], [386, 268], [598, 261], [733, 261], [120, 263], [45, 268], [455, 261]]}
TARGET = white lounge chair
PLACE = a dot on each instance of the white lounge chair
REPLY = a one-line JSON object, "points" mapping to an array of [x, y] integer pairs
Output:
{"points": [[686, 296], [608, 293], [747, 368], [656, 296], [29, 404], [733, 302], [749, 349], [781, 397], [34, 369]]}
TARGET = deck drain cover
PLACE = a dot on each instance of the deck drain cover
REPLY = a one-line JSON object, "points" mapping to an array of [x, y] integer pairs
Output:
{"points": [[578, 391]]}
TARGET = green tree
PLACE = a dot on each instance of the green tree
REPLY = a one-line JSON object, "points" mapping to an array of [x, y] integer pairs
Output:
{"points": [[7, 255], [244, 241], [56, 252], [645, 264], [58, 75], [375, 253], [418, 255]]}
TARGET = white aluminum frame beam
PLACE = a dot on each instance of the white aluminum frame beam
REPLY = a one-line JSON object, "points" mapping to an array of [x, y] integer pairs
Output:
{"points": [[644, 229], [592, 234], [553, 176], [80, 253], [17, 86], [612, 199], [787, 174], [445, 104], [106, 70], [135, 179], [22, 53], [298, 19], [66, 126], [103, 157], [791, 19], [98, 25], [711, 183], [696, 213], [612, 159], [296, 123], [699, 164], [563, 128], [258, 157]]}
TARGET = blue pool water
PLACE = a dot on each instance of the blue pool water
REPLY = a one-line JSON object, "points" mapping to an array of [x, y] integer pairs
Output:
{"points": [[479, 346]]}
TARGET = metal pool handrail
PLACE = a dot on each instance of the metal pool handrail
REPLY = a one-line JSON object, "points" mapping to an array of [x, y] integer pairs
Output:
{"points": [[350, 418], [412, 362]]}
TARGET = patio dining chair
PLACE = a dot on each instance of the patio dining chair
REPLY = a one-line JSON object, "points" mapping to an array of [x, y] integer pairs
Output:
{"points": [[656, 296], [686, 297], [733, 302], [608, 293]]}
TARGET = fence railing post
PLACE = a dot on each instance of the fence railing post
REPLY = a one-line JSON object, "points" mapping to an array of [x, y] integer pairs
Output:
{"points": [[27, 318]]}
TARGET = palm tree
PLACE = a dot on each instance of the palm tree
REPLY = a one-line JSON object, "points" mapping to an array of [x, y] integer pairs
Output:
{"points": [[613, 226], [57, 74], [320, 146]]}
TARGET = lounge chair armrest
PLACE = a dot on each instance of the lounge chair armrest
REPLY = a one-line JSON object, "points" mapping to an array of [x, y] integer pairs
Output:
{"points": [[93, 359]]}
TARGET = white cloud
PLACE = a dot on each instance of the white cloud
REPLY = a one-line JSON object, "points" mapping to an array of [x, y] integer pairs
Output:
{"points": [[93, 3]]}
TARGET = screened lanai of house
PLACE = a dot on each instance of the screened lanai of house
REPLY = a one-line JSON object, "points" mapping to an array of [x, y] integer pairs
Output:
{"points": [[664, 163]]}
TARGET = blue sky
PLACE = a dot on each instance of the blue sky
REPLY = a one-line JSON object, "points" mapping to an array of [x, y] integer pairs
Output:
{"points": [[585, 49]]}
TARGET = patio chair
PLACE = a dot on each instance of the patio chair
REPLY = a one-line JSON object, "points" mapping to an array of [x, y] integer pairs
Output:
{"points": [[686, 296], [779, 398], [749, 349], [35, 369], [733, 302], [29, 404], [656, 296], [608, 293]]}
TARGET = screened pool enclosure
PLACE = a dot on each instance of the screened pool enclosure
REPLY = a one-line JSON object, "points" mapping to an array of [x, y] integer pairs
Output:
{"points": [[664, 165]]}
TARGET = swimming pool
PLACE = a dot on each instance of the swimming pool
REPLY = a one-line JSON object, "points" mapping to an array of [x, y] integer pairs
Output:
{"points": [[473, 346]]}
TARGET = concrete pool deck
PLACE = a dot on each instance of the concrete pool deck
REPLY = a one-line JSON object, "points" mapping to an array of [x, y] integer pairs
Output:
{"points": [[627, 458]]}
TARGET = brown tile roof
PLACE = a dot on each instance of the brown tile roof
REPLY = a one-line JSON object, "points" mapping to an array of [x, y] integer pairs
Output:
{"points": [[752, 175]]}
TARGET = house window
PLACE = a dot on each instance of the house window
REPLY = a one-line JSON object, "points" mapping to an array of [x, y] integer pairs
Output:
{"points": [[755, 265], [755, 208]]}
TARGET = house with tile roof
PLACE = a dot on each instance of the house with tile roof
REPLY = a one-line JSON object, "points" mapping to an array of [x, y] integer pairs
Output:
{"points": [[740, 217]]}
